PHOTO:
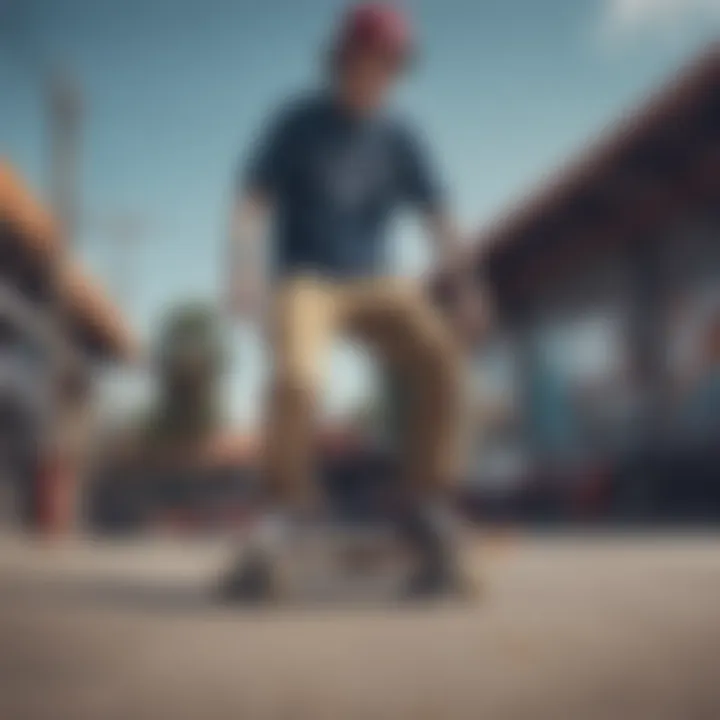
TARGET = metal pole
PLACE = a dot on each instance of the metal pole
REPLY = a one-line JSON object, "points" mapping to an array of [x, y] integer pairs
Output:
{"points": [[64, 115], [65, 112]]}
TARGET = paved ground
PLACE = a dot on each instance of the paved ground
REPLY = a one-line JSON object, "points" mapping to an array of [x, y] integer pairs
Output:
{"points": [[570, 628]]}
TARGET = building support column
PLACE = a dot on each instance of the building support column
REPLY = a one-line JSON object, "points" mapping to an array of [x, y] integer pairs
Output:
{"points": [[60, 477]]}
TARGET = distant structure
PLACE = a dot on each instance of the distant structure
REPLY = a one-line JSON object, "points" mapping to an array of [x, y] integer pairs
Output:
{"points": [[44, 490], [608, 281]]}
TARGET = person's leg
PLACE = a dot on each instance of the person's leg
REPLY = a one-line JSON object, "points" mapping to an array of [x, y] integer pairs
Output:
{"points": [[302, 325], [300, 330], [399, 320], [396, 318]]}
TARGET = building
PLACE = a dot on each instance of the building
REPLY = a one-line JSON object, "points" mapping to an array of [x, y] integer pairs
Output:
{"points": [[39, 485], [608, 285]]}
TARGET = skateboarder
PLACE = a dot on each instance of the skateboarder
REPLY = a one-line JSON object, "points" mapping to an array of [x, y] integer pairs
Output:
{"points": [[330, 170]]}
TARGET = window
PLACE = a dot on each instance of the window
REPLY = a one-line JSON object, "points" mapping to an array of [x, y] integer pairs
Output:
{"points": [[499, 457], [580, 392]]}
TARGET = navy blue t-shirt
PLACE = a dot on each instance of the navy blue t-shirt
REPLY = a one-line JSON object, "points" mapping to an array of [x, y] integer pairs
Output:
{"points": [[335, 181]]}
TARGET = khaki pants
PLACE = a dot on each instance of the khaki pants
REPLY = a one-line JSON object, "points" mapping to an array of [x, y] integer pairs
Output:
{"points": [[395, 318]]}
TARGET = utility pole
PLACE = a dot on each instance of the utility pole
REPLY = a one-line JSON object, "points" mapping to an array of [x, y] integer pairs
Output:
{"points": [[58, 490], [64, 115], [68, 411]]}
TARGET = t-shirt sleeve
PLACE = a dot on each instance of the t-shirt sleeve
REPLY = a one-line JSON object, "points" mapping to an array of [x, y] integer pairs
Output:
{"points": [[266, 167], [420, 184]]}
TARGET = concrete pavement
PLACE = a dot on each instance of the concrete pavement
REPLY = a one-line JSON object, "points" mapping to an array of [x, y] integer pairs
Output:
{"points": [[569, 627]]}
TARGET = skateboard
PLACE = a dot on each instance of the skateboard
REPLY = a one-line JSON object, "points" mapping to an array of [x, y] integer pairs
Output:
{"points": [[337, 563]]}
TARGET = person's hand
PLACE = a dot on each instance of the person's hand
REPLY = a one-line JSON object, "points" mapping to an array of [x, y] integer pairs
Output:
{"points": [[456, 284], [465, 299], [247, 286], [247, 297]]}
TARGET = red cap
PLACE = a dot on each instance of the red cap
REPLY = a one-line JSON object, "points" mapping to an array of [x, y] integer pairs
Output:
{"points": [[375, 26]]}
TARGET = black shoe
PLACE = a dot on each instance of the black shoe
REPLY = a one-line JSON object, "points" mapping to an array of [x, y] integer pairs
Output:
{"points": [[255, 579], [430, 583], [433, 536]]}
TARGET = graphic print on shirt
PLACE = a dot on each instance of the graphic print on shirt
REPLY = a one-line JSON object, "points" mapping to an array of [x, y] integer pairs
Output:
{"points": [[354, 174]]}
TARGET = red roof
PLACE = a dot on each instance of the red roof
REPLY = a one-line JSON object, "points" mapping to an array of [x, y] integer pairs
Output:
{"points": [[667, 108], [668, 111], [87, 301], [33, 224], [36, 231]]}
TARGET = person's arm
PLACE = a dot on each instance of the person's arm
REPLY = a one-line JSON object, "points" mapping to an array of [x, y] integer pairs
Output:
{"points": [[466, 301], [259, 186], [246, 287], [422, 188]]}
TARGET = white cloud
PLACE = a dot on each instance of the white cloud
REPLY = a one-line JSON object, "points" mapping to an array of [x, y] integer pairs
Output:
{"points": [[624, 17]]}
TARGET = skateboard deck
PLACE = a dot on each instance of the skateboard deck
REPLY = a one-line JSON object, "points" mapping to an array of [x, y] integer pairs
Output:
{"points": [[336, 562]]}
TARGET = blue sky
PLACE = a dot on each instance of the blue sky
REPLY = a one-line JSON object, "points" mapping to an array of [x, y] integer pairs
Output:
{"points": [[175, 90]]}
